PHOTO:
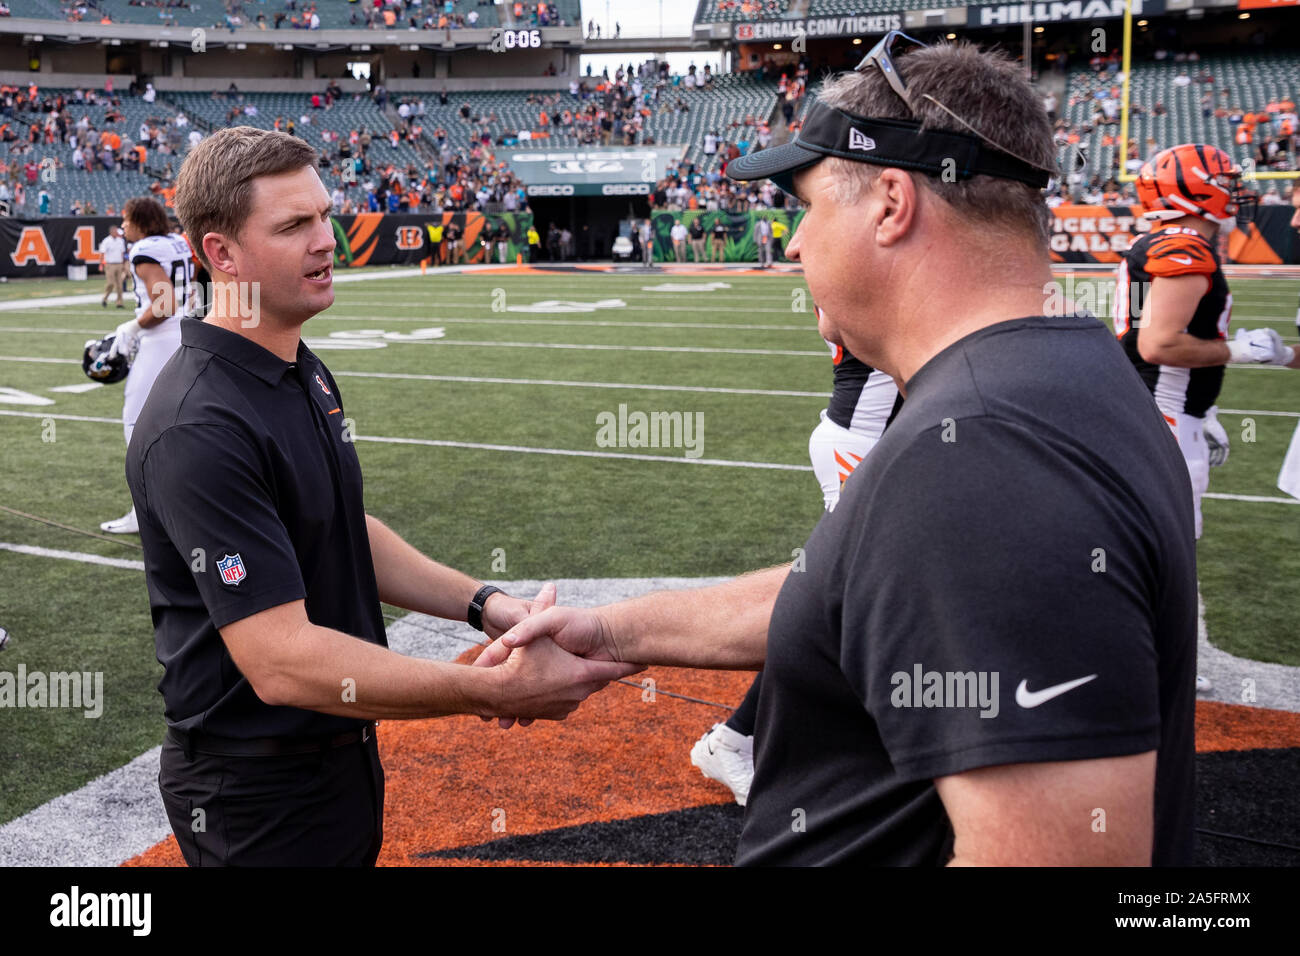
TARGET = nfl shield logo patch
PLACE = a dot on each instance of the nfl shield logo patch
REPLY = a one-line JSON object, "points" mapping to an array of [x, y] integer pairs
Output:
{"points": [[232, 569]]}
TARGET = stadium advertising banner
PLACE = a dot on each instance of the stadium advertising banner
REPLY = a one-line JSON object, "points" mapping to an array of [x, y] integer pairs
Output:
{"points": [[1052, 11], [1101, 233], [46, 247], [856, 25], [739, 245], [597, 171], [1265, 4]]}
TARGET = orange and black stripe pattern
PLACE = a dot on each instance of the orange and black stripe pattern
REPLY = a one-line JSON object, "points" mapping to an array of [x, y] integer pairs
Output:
{"points": [[1179, 252], [1186, 179]]}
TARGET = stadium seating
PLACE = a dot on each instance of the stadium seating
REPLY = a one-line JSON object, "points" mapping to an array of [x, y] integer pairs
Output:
{"points": [[727, 11], [729, 97], [334, 14], [1251, 81]]}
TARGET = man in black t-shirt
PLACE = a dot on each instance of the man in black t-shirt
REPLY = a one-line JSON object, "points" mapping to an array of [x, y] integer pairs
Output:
{"points": [[718, 245], [696, 232], [986, 654], [265, 573]]}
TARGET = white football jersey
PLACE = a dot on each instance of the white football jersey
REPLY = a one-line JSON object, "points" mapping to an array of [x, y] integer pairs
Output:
{"points": [[171, 252]]}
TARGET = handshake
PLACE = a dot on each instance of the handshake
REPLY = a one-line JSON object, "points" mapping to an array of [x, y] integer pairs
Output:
{"points": [[547, 659], [1260, 346]]}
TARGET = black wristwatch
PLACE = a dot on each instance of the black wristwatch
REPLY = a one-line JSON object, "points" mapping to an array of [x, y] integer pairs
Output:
{"points": [[475, 613]]}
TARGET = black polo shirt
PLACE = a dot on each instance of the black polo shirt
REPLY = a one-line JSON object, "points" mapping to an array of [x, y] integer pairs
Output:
{"points": [[248, 493], [1009, 577]]}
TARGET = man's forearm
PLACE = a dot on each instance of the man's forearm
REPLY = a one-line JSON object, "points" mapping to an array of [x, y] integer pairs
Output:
{"points": [[724, 626], [328, 671], [409, 579], [1187, 351]]}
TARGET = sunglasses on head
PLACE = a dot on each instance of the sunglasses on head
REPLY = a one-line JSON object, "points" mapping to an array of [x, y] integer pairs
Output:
{"points": [[881, 56]]}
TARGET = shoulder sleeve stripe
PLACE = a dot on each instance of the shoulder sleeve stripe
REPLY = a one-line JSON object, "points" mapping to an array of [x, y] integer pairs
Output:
{"points": [[1178, 254]]}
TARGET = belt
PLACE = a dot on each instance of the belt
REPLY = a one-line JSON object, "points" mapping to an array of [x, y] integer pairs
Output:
{"points": [[194, 742]]}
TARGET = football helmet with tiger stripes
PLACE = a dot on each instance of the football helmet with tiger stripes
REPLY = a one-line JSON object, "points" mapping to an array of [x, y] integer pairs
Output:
{"points": [[1194, 180]]}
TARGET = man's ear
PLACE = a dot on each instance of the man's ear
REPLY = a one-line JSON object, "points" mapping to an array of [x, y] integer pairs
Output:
{"points": [[896, 194], [220, 254]]}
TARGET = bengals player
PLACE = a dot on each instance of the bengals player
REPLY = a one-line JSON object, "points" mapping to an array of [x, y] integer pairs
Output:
{"points": [[1173, 306], [864, 400]]}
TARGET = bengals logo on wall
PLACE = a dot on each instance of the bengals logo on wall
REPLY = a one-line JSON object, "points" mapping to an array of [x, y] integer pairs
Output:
{"points": [[410, 237]]}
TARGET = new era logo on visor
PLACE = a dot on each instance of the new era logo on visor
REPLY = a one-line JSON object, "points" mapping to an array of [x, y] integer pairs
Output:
{"points": [[859, 140]]}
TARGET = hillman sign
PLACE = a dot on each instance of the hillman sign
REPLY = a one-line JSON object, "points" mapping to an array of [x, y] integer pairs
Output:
{"points": [[1006, 14], [818, 27]]}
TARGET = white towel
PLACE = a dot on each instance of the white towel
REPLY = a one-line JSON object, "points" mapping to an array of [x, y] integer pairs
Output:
{"points": [[1288, 479]]}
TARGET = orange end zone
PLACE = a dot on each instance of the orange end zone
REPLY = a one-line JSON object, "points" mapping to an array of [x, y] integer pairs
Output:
{"points": [[617, 758]]}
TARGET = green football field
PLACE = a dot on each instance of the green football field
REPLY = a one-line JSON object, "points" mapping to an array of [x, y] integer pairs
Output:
{"points": [[481, 445]]}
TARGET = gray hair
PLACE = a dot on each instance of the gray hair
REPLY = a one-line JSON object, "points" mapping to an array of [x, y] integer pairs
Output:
{"points": [[988, 91]]}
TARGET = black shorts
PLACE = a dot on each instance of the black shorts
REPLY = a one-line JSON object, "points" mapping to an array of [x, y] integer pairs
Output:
{"points": [[319, 809]]}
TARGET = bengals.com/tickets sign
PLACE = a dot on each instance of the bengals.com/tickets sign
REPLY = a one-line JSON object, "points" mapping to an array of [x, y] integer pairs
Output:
{"points": [[1101, 233]]}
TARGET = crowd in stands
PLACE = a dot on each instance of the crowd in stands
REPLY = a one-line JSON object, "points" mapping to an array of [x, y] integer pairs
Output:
{"points": [[535, 15], [1270, 128], [755, 9], [415, 14], [707, 187], [31, 123]]}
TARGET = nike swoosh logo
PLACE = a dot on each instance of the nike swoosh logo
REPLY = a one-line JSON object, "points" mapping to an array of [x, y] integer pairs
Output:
{"points": [[1185, 260], [1032, 698]]}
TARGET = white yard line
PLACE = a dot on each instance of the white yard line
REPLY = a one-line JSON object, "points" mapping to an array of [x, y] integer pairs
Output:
{"points": [[81, 556], [1262, 499]]}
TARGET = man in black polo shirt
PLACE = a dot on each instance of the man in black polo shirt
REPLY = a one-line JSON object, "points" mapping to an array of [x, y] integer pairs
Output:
{"points": [[989, 657], [265, 574]]}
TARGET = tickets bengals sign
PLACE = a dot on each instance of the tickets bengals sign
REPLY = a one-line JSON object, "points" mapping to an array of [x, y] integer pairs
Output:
{"points": [[1095, 233], [1101, 233]]}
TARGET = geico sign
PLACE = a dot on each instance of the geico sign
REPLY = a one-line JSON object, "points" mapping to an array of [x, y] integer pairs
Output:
{"points": [[565, 190], [625, 189]]}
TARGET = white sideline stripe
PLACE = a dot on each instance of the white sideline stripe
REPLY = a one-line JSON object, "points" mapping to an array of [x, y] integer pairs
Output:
{"points": [[1263, 499], [476, 380], [81, 556], [580, 453], [21, 305], [19, 328], [722, 326], [822, 353], [471, 379], [62, 418], [1257, 411], [29, 358], [574, 453], [481, 446]]}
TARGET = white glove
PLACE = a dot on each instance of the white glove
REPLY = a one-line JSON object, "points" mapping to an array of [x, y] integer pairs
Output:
{"points": [[1263, 346], [1216, 439], [124, 338]]}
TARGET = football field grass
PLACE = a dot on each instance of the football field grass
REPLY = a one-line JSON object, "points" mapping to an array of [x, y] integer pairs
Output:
{"points": [[477, 402]]}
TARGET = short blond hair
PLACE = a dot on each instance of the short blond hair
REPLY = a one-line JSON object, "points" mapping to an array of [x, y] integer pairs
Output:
{"points": [[987, 90], [214, 189]]}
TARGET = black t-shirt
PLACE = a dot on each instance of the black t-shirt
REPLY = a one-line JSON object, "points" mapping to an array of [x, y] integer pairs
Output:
{"points": [[1024, 523], [697, 229], [248, 490]]}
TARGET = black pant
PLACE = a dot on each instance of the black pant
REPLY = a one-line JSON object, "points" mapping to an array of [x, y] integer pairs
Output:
{"points": [[319, 809], [742, 719]]}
